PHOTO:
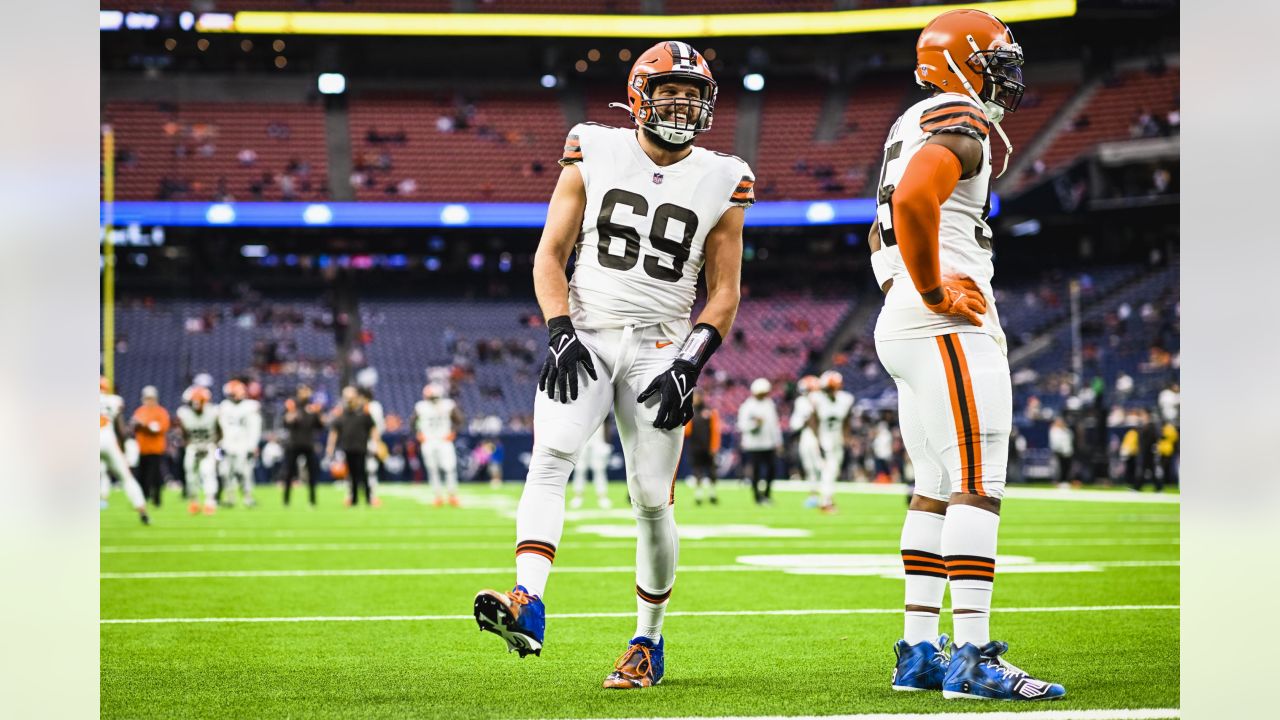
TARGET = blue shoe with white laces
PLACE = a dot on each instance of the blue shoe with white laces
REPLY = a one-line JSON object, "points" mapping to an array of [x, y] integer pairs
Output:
{"points": [[921, 666], [982, 674], [641, 666], [516, 616]]}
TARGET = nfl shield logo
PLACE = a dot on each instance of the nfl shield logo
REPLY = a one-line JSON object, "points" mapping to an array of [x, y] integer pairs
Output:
{"points": [[657, 178]]}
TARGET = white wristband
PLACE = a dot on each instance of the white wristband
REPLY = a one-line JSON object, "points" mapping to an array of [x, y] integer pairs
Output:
{"points": [[880, 266]]}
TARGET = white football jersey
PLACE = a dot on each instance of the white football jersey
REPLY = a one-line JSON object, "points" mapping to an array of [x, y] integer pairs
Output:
{"points": [[435, 419], [110, 406], [801, 411], [199, 426], [964, 238], [832, 412], [644, 227], [241, 424]]}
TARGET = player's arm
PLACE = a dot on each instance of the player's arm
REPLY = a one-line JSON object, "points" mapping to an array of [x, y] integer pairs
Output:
{"points": [[559, 235], [929, 179], [879, 263], [724, 271]]}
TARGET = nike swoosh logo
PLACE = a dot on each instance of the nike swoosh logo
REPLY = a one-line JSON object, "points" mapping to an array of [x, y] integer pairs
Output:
{"points": [[661, 344]]}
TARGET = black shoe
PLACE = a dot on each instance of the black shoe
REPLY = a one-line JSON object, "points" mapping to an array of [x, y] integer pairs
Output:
{"points": [[715, 500], [146, 519]]}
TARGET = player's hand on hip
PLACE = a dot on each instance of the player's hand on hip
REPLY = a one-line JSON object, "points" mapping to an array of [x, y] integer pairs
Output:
{"points": [[565, 353], [961, 297], [674, 388]]}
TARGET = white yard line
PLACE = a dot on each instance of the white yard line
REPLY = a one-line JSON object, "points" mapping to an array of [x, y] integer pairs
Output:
{"points": [[604, 570], [601, 545], [579, 616], [1143, 714], [1015, 492]]}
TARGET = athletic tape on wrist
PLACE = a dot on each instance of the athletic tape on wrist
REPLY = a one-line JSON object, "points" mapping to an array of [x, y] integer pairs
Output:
{"points": [[880, 266], [699, 346]]}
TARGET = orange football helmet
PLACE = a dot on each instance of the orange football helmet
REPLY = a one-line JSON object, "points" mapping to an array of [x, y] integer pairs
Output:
{"points": [[831, 380], [809, 383], [235, 389], [198, 395], [670, 61], [972, 51], [104, 385]]}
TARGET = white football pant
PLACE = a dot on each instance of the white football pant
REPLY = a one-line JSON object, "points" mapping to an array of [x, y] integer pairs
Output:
{"points": [[810, 459], [238, 472], [440, 458], [955, 411], [112, 459], [201, 471], [594, 460]]}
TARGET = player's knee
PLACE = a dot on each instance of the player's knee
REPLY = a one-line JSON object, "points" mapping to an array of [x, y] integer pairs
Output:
{"points": [[556, 453]]}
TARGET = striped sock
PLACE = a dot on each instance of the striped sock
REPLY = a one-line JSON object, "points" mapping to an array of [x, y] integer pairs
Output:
{"points": [[926, 574], [533, 565], [969, 550]]}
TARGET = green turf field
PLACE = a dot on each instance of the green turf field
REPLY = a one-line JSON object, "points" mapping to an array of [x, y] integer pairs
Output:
{"points": [[1094, 585]]}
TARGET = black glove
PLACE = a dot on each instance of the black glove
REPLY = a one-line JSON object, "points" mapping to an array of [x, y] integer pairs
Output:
{"points": [[561, 366], [674, 388]]}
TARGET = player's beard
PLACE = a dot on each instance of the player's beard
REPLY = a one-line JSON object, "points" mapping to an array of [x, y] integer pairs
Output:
{"points": [[664, 143]]}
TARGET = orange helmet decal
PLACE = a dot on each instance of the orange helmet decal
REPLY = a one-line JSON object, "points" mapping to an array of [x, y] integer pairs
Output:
{"points": [[963, 49], [675, 120]]}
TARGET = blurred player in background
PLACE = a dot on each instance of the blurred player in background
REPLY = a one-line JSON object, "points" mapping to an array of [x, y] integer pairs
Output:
{"points": [[377, 448], [240, 424], [110, 431], [940, 339], [151, 429], [436, 420], [644, 210], [833, 418], [808, 450], [302, 420], [198, 421], [761, 435], [594, 460], [702, 442]]}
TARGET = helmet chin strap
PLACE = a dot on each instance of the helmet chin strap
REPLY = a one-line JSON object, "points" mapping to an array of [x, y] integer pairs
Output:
{"points": [[995, 115], [673, 136]]}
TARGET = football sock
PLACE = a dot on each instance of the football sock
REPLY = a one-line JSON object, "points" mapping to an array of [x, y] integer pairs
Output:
{"points": [[969, 550], [657, 548], [540, 519], [433, 478], [926, 574], [451, 481]]}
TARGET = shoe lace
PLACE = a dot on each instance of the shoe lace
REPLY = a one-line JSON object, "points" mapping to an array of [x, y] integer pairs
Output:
{"points": [[519, 597], [640, 667], [992, 654]]}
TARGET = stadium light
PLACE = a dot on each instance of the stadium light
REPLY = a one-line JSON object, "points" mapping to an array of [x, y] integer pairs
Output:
{"points": [[753, 82], [332, 83], [548, 81]]}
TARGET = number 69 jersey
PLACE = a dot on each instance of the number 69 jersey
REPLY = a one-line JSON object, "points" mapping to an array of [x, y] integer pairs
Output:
{"points": [[964, 238], [644, 227]]}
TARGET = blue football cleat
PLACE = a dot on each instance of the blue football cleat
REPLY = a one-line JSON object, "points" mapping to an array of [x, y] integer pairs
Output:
{"points": [[981, 674], [641, 666], [921, 666], [516, 616]]}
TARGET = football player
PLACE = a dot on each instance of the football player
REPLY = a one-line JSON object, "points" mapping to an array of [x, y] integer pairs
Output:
{"points": [[643, 210], [198, 421], [110, 429], [595, 460], [436, 420], [240, 425], [939, 337], [377, 448], [832, 421], [808, 450]]}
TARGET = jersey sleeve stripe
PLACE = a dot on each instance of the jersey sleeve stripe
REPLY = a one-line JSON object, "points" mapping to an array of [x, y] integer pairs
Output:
{"points": [[956, 118], [572, 150], [744, 193], [948, 107]]}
